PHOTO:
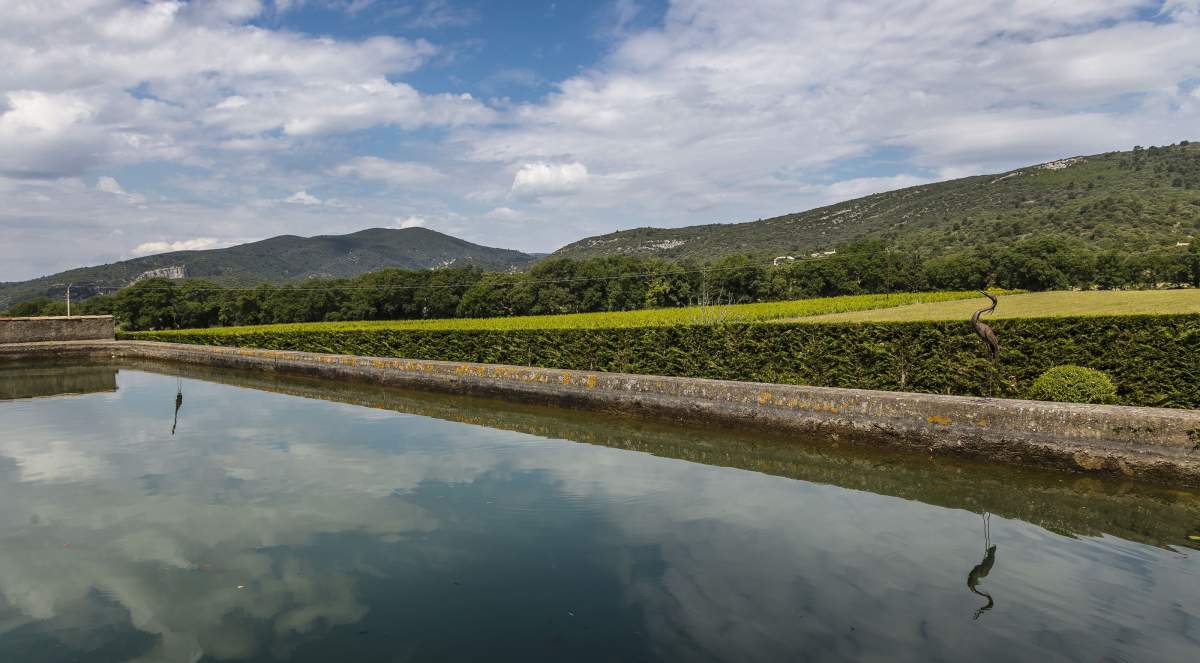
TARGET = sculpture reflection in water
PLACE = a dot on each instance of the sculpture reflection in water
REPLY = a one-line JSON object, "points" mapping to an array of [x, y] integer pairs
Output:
{"points": [[178, 404], [983, 568]]}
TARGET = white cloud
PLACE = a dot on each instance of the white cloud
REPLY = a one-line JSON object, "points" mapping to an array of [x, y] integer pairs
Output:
{"points": [[412, 222], [110, 185], [44, 134], [229, 10], [112, 82], [540, 178], [391, 172], [504, 214], [302, 198], [197, 244], [327, 107]]}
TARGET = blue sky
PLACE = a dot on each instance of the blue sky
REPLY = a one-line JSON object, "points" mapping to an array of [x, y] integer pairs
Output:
{"points": [[516, 50], [129, 127]]}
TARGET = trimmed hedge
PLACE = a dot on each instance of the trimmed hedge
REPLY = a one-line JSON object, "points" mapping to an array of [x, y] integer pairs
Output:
{"points": [[1074, 384], [1154, 360]]}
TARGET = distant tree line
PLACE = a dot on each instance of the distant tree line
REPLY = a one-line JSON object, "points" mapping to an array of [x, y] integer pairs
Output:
{"points": [[626, 283]]}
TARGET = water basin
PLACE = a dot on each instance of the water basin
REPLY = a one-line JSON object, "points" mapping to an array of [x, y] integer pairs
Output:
{"points": [[154, 512]]}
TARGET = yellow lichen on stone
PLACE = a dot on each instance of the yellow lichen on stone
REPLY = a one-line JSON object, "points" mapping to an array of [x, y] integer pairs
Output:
{"points": [[939, 420], [1087, 461]]}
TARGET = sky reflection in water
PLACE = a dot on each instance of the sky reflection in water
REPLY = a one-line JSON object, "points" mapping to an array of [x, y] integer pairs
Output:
{"points": [[271, 527]]}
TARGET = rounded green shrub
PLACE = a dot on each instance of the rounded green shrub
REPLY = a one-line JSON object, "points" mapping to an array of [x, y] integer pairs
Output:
{"points": [[1074, 384]]}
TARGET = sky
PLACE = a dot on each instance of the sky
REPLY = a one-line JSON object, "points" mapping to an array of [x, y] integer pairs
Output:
{"points": [[131, 127]]}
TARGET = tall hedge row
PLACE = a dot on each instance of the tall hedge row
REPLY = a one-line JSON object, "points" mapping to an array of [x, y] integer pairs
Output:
{"points": [[1154, 360]]}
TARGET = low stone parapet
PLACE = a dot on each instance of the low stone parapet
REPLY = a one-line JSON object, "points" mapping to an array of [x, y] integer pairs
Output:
{"points": [[74, 328]]}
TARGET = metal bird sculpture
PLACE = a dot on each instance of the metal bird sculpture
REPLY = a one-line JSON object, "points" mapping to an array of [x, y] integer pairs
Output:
{"points": [[983, 330]]}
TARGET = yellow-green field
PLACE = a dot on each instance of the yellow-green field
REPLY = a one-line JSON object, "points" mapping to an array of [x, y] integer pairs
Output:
{"points": [[761, 312], [1033, 305]]}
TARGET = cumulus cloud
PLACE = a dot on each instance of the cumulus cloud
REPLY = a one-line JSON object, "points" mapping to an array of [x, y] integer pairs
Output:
{"points": [[326, 107], [302, 198], [503, 214], [391, 172], [111, 185], [197, 244], [540, 178], [412, 221], [116, 82], [48, 134]]}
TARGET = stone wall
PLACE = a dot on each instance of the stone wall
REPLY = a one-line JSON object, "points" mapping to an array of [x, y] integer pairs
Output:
{"points": [[75, 328], [1155, 444]]}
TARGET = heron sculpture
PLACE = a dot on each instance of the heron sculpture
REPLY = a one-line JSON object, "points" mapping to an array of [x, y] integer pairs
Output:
{"points": [[984, 331]]}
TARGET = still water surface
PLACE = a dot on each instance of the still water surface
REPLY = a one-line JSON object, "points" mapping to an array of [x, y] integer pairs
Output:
{"points": [[272, 526]]}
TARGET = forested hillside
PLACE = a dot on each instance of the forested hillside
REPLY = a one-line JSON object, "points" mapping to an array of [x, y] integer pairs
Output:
{"points": [[283, 259], [1139, 200]]}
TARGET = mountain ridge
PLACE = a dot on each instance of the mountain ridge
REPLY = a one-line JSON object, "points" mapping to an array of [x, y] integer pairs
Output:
{"points": [[1140, 199], [280, 259]]}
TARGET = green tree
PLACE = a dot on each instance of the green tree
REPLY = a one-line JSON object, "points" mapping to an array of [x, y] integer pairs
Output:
{"points": [[148, 304]]}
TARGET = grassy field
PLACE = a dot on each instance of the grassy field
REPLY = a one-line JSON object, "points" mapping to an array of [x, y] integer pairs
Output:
{"points": [[1033, 305], [761, 312]]}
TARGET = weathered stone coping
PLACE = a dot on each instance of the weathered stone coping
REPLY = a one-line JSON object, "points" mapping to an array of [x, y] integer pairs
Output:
{"points": [[1148, 443]]}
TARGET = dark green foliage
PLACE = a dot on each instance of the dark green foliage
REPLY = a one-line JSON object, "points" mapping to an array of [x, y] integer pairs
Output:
{"points": [[625, 283], [389, 294], [1074, 384], [44, 306], [41, 306], [1154, 360]]}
